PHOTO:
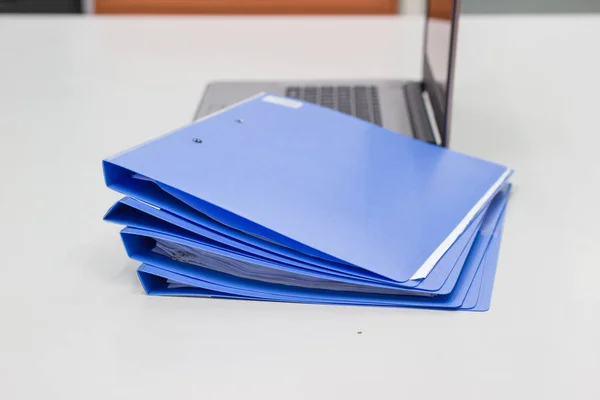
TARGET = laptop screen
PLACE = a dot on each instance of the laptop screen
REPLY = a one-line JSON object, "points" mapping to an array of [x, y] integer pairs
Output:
{"points": [[439, 45]]}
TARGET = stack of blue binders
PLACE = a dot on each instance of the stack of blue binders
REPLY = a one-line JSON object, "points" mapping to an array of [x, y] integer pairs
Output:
{"points": [[278, 200]]}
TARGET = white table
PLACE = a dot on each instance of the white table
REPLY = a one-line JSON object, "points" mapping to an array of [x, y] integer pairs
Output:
{"points": [[75, 324]]}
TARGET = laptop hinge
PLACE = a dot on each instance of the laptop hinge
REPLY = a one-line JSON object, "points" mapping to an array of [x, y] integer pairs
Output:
{"points": [[431, 117], [421, 114]]}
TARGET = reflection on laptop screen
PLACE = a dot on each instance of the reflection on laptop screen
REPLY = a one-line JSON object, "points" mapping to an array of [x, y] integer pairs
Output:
{"points": [[441, 22], [438, 42]]}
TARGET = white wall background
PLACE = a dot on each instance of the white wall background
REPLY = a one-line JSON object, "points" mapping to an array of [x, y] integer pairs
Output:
{"points": [[411, 6], [88, 5], [511, 6]]}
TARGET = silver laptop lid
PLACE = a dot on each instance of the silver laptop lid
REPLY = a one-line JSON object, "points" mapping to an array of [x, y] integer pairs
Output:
{"points": [[441, 28]]}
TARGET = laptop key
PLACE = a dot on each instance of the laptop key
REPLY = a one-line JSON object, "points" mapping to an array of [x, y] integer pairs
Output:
{"points": [[310, 94], [293, 92]]}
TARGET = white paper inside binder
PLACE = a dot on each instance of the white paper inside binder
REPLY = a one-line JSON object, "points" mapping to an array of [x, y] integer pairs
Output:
{"points": [[247, 270]]}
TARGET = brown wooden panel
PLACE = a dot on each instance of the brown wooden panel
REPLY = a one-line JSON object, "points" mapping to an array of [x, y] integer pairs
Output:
{"points": [[441, 8], [246, 6]]}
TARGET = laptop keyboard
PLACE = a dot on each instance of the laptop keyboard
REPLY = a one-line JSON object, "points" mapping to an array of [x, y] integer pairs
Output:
{"points": [[360, 101]]}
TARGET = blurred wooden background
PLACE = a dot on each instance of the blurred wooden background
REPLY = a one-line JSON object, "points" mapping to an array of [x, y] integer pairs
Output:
{"points": [[441, 8], [246, 6]]}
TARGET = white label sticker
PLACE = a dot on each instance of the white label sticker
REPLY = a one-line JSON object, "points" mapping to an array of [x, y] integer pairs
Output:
{"points": [[282, 101]]}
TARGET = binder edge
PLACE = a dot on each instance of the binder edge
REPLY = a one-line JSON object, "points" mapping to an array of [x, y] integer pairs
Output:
{"points": [[433, 259]]}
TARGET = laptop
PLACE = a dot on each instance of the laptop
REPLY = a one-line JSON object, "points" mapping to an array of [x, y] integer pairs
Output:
{"points": [[418, 109]]}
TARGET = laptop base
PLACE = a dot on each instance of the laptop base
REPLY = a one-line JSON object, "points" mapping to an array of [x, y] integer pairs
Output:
{"points": [[381, 102]]}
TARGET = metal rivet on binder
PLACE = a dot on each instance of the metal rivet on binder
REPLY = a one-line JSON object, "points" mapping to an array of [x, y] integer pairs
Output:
{"points": [[197, 140]]}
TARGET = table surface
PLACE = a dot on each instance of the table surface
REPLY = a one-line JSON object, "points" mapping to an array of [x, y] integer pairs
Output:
{"points": [[76, 323]]}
